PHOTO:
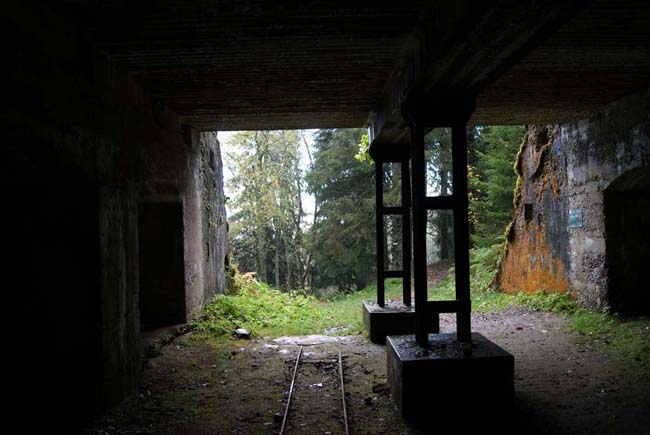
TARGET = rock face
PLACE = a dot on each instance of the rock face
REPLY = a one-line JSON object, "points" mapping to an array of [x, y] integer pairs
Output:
{"points": [[83, 151], [563, 237]]}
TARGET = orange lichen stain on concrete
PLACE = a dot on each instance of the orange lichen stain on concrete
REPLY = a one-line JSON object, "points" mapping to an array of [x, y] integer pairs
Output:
{"points": [[529, 264], [530, 267], [554, 183]]}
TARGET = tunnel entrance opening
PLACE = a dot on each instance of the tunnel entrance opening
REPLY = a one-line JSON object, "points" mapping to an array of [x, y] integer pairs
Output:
{"points": [[627, 219], [162, 281]]}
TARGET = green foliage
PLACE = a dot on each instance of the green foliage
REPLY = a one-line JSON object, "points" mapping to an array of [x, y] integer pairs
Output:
{"points": [[363, 154], [265, 232], [626, 338], [485, 297], [484, 263], [338, 251], [267, 312], [438, 160], [496, 301], [483, 266], [492, 181], [342, 239], [344, 310], [258, 308], [560, 303]]}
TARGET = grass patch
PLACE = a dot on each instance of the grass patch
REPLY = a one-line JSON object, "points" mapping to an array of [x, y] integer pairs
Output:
{"points": [[496, 301], [484, 263], [628, 339], [259, 309], [267, 312], [345, 310]]}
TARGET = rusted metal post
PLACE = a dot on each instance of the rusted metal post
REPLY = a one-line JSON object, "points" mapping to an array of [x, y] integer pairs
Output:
{"points": [[406, 231], [379, 216], [461, 231], [422, 320]]}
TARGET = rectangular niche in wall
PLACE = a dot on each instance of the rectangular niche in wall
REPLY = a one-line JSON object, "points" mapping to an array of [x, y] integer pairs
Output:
{"points": [[162, 278]]}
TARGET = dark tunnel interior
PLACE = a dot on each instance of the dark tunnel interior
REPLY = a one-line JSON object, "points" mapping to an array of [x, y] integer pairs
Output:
{"points": [[627, 219], [162, 283]]}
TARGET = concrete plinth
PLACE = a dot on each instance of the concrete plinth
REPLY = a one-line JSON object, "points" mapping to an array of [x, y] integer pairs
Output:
{"points": [[394, 318], [442, 383]]}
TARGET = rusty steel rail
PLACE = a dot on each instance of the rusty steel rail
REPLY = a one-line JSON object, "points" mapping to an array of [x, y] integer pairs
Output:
{"points": [[293, 384], [345, 410]]}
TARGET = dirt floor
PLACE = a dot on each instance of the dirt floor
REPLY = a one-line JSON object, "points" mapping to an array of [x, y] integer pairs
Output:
{"points": [[563, 385]]}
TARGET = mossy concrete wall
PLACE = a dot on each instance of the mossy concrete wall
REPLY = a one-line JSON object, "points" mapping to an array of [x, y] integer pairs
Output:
{"points": [[537, 256], [557, 241]]}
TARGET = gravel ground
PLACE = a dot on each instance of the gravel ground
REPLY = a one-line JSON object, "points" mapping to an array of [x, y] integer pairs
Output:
{"points": [[563, 385]]}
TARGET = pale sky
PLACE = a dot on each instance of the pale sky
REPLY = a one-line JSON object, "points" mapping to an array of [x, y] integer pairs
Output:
{"points": [[307, 199]]}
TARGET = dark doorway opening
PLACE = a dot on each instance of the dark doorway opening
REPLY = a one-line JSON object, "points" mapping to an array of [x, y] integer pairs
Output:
{"points": [[627, 222], [162, 265]]}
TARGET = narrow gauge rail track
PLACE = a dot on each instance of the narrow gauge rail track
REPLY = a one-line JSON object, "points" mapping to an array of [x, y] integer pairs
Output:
{"points": [[292, 388]]}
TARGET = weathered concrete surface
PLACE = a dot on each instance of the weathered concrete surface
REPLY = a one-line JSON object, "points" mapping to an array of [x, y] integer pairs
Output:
{"points": [[537, 248], [434, 387], [190, 172], [599, 150], [214, 218], [394, 318], [82, 147], [565, 170]]}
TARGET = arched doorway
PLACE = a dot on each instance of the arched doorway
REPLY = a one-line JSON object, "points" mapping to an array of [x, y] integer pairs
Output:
{"points": [[627, 225]]}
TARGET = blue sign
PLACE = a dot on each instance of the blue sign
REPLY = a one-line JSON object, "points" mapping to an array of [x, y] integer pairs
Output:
{"points": [[575, 218]]}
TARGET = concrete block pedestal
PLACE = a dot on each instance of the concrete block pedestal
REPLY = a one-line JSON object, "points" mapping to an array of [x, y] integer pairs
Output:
{"points": [[442, 384], [394, 318]]}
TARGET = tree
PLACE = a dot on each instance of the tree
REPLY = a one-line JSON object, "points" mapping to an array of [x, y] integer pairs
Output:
{"points": [[439, 183], [266, 226], [492, 181], [392, 223], [342, 238]]}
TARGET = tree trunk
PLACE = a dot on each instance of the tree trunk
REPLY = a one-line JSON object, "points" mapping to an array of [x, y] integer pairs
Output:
{"points": [[261, 254], [261, 228], [397, 243], [277, 260], [443, 219], [287, 258]]}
